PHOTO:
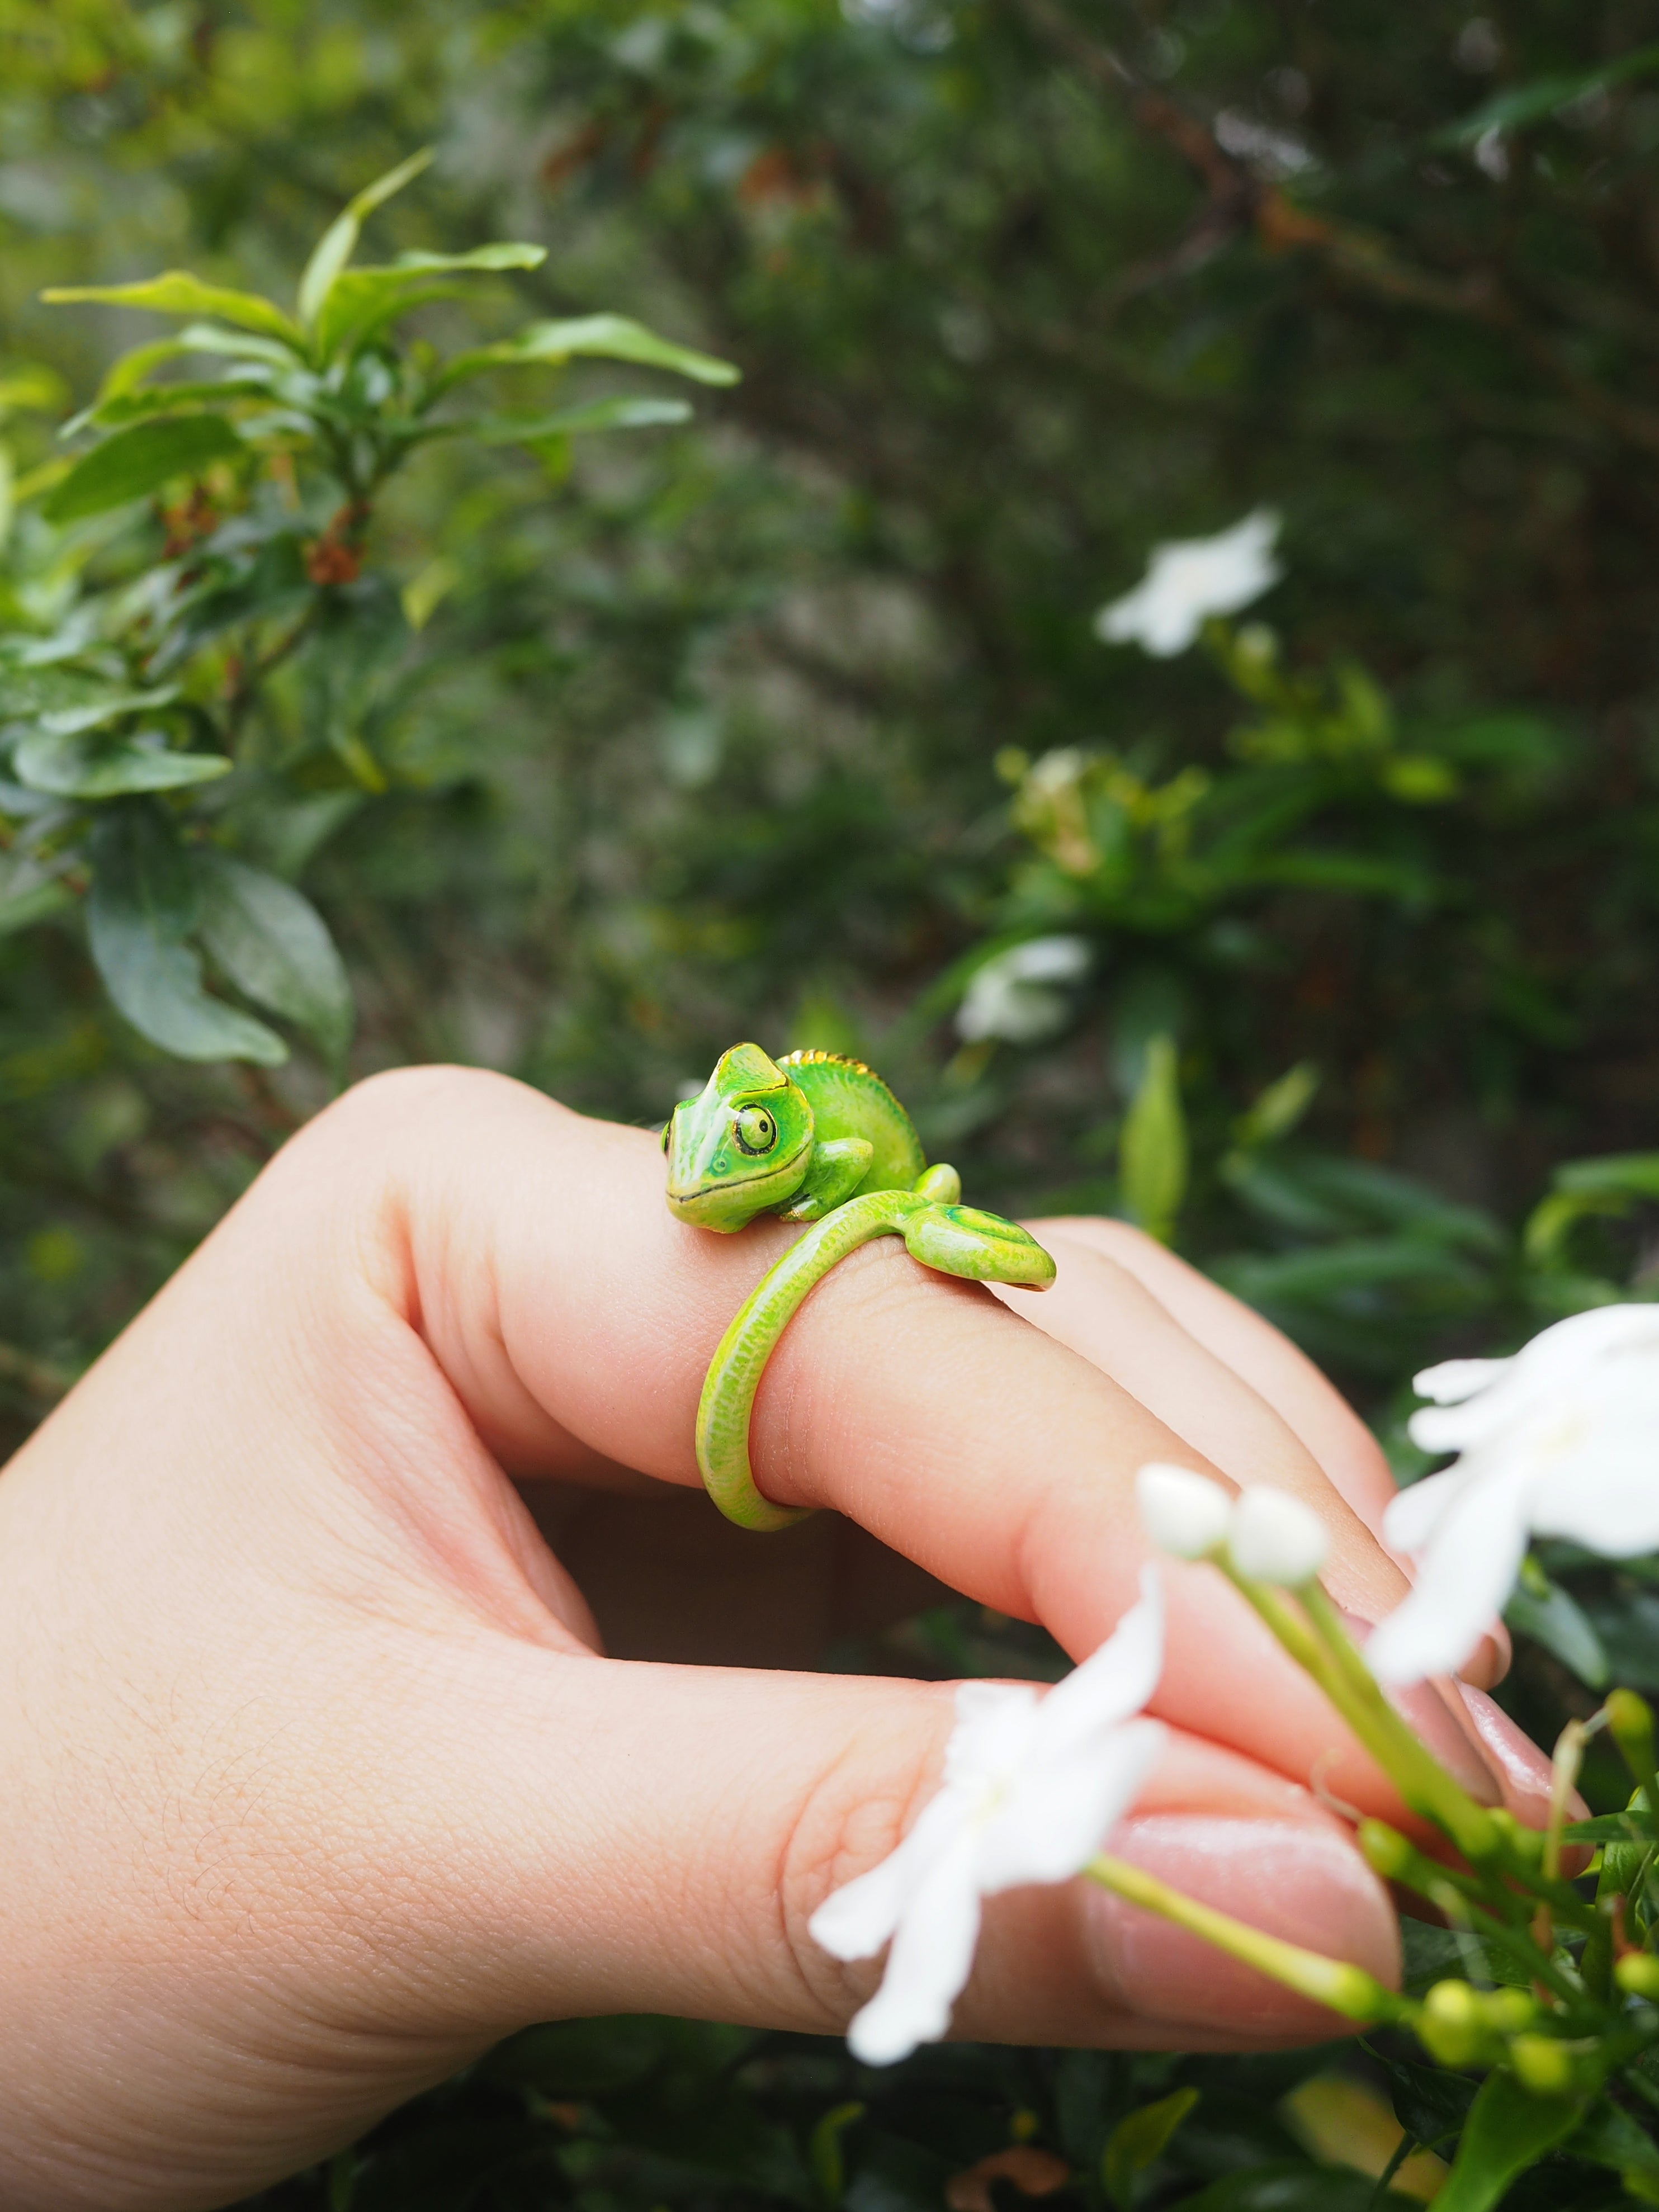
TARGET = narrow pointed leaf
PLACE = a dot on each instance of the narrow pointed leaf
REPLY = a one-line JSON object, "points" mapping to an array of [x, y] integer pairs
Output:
{"points": [[1520, 105], [1509, 2129], [361, 300], [605, 337], [1139, 2141], [138, 461], [176, 292], [1153, 1157], [83, 765], [339, 242], [626, 413], [274, 945], [64, 716], [142, 903], [1557, 1620], [146, 402]]}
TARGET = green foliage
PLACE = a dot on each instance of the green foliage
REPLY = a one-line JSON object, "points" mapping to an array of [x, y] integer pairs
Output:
{"points": [[1140, 2141], [279, 462], [1509, 2129]]}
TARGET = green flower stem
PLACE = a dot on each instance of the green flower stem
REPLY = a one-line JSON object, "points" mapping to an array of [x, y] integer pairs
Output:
{"points": [[1332, 1983], [1315, 1639], [1630, 1724]]}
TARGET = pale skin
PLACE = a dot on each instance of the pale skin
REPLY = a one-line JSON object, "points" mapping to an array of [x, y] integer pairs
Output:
{"points": [[313, 1781]]}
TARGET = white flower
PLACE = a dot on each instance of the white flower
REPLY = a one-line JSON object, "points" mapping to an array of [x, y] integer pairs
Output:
{"points": [[1270, 1536], [1275, 1538], [1011, 995], [1562, 1440], [1191, 580], [1185, 1513], [1032, 1785]]}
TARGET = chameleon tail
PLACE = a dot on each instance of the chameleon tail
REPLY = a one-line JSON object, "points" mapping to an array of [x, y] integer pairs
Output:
{"points": [[735, 1373], [957, 1240]]}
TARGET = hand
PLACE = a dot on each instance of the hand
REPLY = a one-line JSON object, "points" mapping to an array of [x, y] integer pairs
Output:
{"points": [[312, 1783]]}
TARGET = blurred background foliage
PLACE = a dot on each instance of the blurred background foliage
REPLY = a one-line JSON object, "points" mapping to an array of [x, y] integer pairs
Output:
{"points": [[1325, 948]]}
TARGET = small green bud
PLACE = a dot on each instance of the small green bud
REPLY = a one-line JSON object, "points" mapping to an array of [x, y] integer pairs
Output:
{"points": [[1385, 1850], [1543, 2065], [1452, 2028], [1630, 1724], [1509, 2010], [1637, 1974]]}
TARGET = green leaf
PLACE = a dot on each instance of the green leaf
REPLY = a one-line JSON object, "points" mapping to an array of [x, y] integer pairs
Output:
{"points": [[605, 337], [825, 2154], [34, 387], [1281, 2186], [1509, 2129], [1139, 2141], [1152, 1155], [143, 904], [145, 401], [1276, 1110], [1625, 1175], [129, 372], [135, 462], [75, 703], [339, 242], [176, 292], [1529, 103], [22, 909], [1605, 1828], [79, 764], [1554, 1618], [1609, 2137], [274, 945], [363, 300], [623, 413]]}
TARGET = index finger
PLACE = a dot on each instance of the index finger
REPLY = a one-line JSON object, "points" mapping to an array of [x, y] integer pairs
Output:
{"points": [[533, 1251]]}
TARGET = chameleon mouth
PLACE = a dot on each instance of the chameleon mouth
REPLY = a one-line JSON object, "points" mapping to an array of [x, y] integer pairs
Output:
{"points": [[705, 1197]]}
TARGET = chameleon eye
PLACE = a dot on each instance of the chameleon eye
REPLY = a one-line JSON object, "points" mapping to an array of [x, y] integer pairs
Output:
{"points": [[755, 1130]]}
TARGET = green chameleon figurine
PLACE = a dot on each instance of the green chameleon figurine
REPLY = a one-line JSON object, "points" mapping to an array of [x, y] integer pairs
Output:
{"points": [[816, 1139]]}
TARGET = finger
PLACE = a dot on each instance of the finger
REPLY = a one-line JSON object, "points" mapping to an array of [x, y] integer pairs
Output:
{"points": [[573, 1318], [1232, 1388], [701, 1816], [1276, 1369]]}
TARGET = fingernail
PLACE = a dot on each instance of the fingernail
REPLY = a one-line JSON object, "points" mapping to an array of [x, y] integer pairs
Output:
{"points": [[1304, 1883], [1426, 1712], [1522, 1768]]}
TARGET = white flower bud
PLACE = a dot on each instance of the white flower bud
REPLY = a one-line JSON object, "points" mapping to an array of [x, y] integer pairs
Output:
{"points": [[1185, 1513], [1275, 1538]]}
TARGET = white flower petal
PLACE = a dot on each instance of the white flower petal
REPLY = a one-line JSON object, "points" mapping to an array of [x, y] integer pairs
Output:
{"points": [[1275, 1538], [1556, 1360], [854, 1921], [995, 1720], [1113, 1683], [1055, 1824], [1184, 1513], [1012, 997], [1410, 1520], [1456, 1379], [928, 1966], [1191, 578], [1602, 1490], [1464, 1582]]}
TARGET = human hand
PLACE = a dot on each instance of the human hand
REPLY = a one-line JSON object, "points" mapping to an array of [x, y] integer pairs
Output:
{"points": [[312, 1784]]}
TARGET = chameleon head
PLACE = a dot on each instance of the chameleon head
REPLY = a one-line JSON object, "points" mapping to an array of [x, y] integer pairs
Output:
{"points": [[742, 1145]]}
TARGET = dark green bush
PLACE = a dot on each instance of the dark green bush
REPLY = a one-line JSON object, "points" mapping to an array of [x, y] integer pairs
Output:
{"points": [[591, 754]]}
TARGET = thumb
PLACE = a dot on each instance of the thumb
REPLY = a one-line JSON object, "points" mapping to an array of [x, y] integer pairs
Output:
{"points": [[650, 1838]]}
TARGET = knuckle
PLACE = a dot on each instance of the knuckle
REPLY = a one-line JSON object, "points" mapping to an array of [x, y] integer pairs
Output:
{"points": [[856, 1812]]}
